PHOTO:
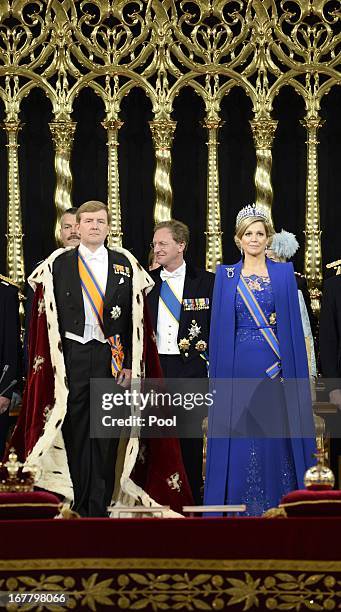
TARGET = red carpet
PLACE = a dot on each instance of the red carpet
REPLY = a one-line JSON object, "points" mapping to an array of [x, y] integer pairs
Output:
{"points": [[176, 564]]}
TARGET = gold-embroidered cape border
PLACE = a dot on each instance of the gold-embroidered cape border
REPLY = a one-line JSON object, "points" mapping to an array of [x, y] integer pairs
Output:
{"points": [[310, 502], [175, 584]]}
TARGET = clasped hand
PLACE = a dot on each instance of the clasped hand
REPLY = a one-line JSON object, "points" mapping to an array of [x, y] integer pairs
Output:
{"points": [[4, 404], [124, 378]]}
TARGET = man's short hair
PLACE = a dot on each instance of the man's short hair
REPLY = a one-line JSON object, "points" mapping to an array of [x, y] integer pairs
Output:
{"points": [[92, 206], [179, 231], [69, 211]]}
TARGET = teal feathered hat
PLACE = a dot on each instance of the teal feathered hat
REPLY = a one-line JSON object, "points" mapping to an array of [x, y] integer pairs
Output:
{"points": [[284, 244]]}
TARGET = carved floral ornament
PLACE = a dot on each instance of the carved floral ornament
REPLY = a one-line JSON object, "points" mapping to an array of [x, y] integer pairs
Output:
{"points": [[209, 44], [162, 46]]}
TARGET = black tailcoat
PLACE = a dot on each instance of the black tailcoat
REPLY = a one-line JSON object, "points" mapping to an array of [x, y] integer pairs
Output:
{"points": [[198, 284], [90, 460], [70, 304]]}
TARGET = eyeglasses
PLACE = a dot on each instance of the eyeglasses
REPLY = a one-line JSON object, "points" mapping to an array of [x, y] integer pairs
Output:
{"points": [[160, 244]]}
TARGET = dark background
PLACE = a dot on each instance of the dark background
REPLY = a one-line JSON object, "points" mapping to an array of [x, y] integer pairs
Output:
{"points": [[136, 157]]}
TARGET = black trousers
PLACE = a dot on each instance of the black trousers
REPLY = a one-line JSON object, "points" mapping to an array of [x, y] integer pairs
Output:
{"points": [[191, 448], [91, 461]]}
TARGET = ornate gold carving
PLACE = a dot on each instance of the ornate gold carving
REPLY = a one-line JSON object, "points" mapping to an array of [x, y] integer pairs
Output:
{"points": [[62, 47], [315, 297], [115, 234], [263, 131], [313, 251], [214, 249], [15, 253], [62, 134], [163, 134]]}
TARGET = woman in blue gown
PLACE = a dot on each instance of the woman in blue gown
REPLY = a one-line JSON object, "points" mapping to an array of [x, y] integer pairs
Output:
{"points": [[261, 432]]}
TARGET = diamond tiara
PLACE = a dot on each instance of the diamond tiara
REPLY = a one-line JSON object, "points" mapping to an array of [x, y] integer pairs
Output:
{"points": [[254, 210]]}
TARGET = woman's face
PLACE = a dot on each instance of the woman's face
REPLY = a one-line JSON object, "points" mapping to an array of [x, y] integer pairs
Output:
{"points": [[254, 239]]}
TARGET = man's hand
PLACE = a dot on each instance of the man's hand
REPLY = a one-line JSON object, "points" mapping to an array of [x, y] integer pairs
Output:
{"points": [[335, 397], [124, 378], [4, 404]]}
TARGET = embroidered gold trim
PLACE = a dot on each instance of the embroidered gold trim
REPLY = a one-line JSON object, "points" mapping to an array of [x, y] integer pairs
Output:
{"points": [[9, 280], [171, 563], [243, 588], [32, 505], [310, 502]]}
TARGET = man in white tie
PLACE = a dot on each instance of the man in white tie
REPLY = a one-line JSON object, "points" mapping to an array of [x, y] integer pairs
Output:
{"points": [[93, 292], [71, 344], [180, 305]]}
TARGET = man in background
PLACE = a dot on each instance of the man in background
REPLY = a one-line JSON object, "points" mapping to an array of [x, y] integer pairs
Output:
{"points": [[69, 234], [68, 237], [180, 305]]}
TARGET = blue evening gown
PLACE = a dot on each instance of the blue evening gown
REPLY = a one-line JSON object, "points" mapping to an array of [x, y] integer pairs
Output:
{"points": [[261, 468]]}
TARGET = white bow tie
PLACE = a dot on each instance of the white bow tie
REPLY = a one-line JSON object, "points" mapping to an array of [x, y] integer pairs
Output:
{"points": [[165, 275], [99, 257]]}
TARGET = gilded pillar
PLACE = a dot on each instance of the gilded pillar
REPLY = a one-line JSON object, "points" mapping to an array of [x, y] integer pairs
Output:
{"points": [[15, 254], [214, 254], [62, 135], [263, 131], [313, 252], [163, 134], [115, 234]]}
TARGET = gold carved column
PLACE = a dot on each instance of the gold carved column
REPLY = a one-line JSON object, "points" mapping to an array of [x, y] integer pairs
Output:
{"points": [[163, 134], [62, 134], [214, 254], [15, 255], [313, 252], [115, 234], [263, 131]]}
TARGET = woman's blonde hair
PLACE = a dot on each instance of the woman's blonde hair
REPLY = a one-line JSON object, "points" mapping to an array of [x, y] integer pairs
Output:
{"points": [[245, 224]]}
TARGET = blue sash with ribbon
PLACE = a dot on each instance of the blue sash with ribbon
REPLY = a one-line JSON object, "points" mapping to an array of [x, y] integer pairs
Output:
{"points": [[170, 300], [262, 323]]}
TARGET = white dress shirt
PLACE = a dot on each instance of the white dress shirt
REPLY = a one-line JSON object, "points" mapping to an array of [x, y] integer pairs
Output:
{"points": [[98, 264], [167, 327]]}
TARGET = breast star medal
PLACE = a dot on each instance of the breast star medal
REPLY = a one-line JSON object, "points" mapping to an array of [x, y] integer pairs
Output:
{"points": [[115, 312]]}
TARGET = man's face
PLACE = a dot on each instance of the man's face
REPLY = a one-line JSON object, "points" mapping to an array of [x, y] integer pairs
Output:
{"points": [[273, 256], [93, 229], [168, 253], [68, 232]]}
